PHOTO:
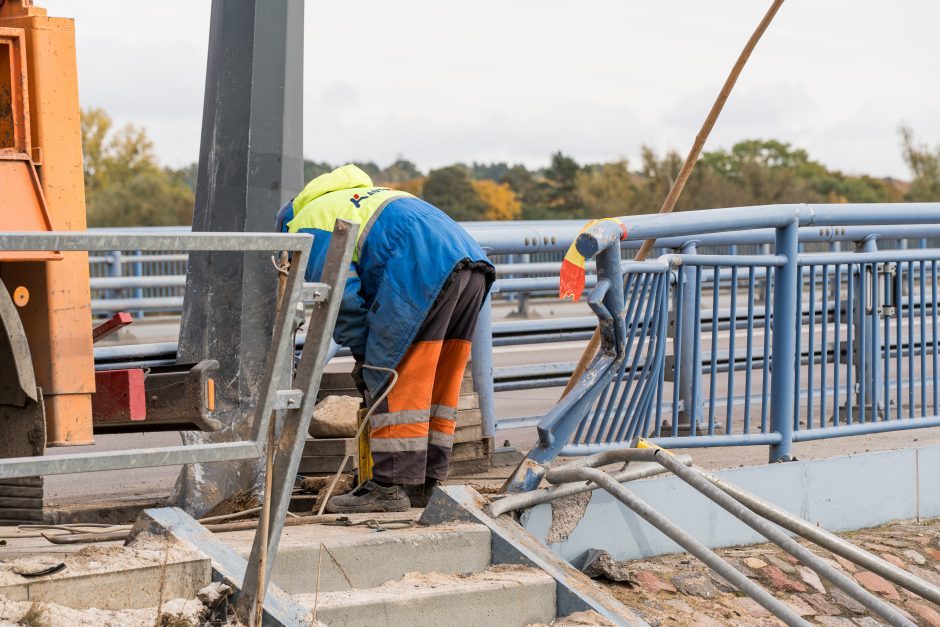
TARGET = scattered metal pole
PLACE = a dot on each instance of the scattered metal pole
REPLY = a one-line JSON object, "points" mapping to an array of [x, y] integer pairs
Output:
{"points": [[680, 537], [525, 500], [767, 529], [826, 540]]}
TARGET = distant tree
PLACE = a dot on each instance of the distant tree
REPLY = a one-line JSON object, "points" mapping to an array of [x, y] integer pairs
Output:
{"points": [[413, 186], [491, 171], [606, 189], [500, 201], [313, 169], [531, 190], [369, 167], [187, 175], [398, 172], [124, 184], [924, 164], [563, 198], [452, 191]]}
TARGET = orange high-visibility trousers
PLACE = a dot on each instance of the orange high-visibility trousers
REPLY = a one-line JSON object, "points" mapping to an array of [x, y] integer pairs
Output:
{"points": [[412, 431]]}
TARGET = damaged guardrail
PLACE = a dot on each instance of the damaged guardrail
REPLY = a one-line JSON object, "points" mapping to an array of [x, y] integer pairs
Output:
{"points": [[642, 308]]}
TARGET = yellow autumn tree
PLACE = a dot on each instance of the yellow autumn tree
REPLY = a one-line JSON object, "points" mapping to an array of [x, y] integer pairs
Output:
{"points": [[412, 186], [500, 200]]}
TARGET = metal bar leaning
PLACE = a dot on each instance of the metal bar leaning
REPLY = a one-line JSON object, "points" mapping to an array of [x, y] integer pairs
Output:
{"points": [[742, 513], [680, 537]]}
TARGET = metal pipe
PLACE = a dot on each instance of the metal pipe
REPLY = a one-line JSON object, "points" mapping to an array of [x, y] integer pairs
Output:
{"points": [[692, 477], [827, 540], [525, 500], [680, 537]]}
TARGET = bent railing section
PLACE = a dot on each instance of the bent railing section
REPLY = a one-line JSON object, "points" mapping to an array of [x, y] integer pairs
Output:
{"points": [[784, 347]]}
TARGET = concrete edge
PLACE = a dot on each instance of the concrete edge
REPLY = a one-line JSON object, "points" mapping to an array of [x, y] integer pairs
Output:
{"points": [[511, 544], [279, 609]]}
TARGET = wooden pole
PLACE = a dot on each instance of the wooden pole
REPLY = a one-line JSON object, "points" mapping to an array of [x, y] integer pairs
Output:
{"points": [[265, 523], [679, 184]]}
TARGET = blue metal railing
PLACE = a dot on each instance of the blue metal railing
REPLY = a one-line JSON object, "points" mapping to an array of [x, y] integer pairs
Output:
{"points": [[699, 372], [784, 347]]}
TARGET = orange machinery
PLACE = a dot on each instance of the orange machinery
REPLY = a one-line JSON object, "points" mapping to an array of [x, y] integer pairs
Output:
{"points": [[47, 382], [47, 372], [42, 188]]}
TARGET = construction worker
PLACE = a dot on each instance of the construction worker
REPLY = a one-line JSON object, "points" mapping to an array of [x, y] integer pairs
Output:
{"points": [[421, 281]]}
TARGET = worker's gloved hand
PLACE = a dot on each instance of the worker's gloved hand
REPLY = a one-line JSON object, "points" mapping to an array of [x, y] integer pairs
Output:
{"points": [[357, 374]]}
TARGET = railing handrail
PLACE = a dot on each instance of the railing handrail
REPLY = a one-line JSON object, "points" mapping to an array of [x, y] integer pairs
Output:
{"points": [[687, 223]]}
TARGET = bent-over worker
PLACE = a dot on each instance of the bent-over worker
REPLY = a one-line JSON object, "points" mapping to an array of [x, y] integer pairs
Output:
{"points": [[421, 281]]}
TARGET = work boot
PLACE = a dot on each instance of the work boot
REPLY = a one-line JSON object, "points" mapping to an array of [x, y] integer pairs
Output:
{"points": [[370, 497], [420, 494]]}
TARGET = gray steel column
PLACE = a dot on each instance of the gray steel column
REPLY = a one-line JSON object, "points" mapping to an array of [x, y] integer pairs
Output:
{"points": [[250, 163]]}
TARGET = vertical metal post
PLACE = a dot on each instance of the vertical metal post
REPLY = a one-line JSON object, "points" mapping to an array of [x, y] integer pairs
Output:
{"points": [[481, 366], [690, 373], [114, 270], [138, 270], [250, 163], [783, 354], [868, 334], [522, 309]]}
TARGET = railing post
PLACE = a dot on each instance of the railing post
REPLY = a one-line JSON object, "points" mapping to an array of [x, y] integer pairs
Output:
{"points": [[523, 306], [868, 335], [114, 269], [481, 366], [690, 373], [783, 353], [138, 292]]}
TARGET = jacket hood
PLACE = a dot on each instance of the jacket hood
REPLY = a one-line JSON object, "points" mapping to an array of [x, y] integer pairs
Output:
{"points": [[346, 177]]}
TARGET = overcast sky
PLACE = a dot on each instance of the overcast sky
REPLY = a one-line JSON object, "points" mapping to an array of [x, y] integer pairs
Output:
{"points": [[516, 80]]}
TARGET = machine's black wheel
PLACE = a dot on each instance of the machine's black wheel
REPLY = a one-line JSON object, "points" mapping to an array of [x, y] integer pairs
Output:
{"points": [[22, 420]]}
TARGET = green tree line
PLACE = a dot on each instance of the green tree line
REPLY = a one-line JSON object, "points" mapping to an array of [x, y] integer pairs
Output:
{"points": [[126, 186]]}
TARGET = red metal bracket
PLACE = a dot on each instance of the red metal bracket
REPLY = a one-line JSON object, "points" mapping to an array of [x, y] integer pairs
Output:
{"points": [[117, 321]]}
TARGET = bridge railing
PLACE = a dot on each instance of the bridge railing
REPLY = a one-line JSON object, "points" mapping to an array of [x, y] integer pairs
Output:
{"points": [[785, 347], [727, 327]]}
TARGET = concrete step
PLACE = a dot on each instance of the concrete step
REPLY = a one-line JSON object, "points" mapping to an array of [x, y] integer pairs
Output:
{"points": [[361, 557], [498, 596], [142, 574]]}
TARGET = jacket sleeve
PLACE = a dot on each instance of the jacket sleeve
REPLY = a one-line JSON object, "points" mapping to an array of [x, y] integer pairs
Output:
{"points": [[351, 330]]}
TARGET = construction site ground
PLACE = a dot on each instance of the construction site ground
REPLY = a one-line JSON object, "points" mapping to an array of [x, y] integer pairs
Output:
{"points": [[680, 590]]}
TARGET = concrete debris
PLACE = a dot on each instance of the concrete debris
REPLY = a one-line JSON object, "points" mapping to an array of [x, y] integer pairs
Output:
{"points": [[567, 512], [335, 417], [188, 612], [811, 578], [319, 485], [603, 565], [695, 585]]}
